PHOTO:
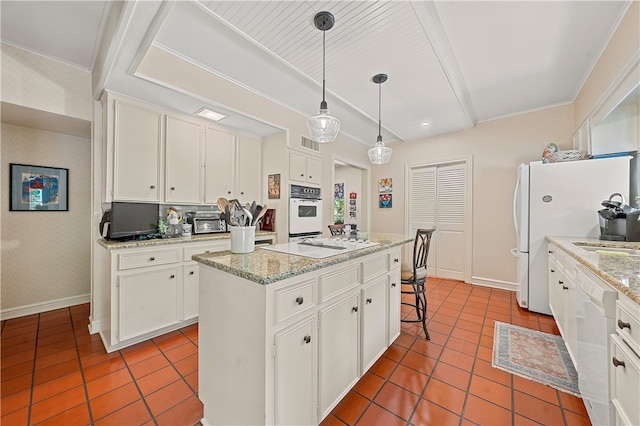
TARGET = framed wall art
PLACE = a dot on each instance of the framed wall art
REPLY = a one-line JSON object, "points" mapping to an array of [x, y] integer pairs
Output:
{"points": [[274, 186], [38, 188], [385, 201], [385, 185]]}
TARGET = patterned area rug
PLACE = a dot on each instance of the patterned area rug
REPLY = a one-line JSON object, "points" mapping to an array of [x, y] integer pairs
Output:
{"points": [[534, 355]]}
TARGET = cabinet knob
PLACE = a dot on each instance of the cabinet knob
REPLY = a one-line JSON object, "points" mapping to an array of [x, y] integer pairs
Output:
{"points": [[354, 309], [310, 177], [151, 259], [307, 339], [550, 251], [241, 193], [228, 192], [207, 251], [396, 260], [173, 188], [564, 287], [191, 273], [152, 187], [553, 270], [299, 300], [560, 282], [393, 284], [369, 300], [617, 362], [301, 174], [622, 324], [172, 276]]}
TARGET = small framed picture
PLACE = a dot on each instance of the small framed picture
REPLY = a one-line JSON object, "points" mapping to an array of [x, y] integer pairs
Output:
{"points": [[385, 201], [38, 188], [274, 186], [385, 185]]}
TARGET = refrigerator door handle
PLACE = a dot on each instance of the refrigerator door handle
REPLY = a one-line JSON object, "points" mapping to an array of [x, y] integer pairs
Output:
{"points": [[515, 202]]}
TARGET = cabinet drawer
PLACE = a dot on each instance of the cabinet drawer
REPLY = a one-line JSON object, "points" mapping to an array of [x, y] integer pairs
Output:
{"points": [[148, 258], [628, 325], [208, 248], [625, 382], [338, 282], [375, 266], [294, 299]]}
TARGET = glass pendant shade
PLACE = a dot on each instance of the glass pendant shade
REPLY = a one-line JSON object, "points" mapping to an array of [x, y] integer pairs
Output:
{"points": [[380, 154], [323, 127]]}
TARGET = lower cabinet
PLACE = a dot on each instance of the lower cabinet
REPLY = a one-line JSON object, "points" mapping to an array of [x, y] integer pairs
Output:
{"points": [[338, 351], [562, 297], [294, 348], [147, 301], [147, 291], [625, 363], [295, 373]]}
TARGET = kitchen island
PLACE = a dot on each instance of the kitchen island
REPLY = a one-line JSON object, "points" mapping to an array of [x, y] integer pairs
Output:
{"points": [[284, 337]]}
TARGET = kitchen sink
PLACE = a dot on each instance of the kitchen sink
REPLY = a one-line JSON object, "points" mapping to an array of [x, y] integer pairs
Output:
{"points": [[609, 250]]}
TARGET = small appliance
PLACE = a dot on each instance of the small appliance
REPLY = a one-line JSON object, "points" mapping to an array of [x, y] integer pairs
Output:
{"points": [[206, 222]]}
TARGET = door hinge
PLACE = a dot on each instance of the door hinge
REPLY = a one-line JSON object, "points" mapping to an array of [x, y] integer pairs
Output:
{"points": [[274, 350], [318, 410]]}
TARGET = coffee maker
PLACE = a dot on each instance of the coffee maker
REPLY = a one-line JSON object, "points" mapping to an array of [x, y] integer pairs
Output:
{"points": [[613, 219]]}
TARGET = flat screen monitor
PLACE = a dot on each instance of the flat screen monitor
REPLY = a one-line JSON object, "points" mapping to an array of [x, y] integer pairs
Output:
{"points": [[133, 219]]}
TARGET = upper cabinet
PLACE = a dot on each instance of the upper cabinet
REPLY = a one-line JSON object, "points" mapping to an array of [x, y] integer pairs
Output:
{"points": [[615, 123], [155, 155], [137, 146], [182, 172], [303, 168]]}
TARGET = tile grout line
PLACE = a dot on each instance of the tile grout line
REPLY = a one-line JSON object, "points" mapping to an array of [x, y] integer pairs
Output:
{"points": [[33, 372], [84, 381]]}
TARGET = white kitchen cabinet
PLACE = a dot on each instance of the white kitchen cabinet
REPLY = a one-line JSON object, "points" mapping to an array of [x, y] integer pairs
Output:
{"points": [[148, 291], [295, 373], [338, 359], [374, 321], [625, 382], [147, 301], [625, 363], [190, 279], [249, 169], [136, 153], [393, 297], [232, 166], [562, 297], [304, 169], [183, 165], [219, 165]]}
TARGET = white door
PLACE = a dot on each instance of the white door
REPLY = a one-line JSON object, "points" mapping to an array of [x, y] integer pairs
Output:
{"points": [[219, 163], [438, 197], [183, 162]]}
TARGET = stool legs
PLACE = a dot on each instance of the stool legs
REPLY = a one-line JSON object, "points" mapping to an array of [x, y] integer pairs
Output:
{"points": [[420, 305]]}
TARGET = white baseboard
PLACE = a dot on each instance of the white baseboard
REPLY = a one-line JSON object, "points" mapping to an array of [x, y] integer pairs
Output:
{"points": [[489, 282], [37, 308]]}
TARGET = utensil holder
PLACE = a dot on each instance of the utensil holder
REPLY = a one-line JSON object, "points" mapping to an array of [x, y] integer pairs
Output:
{"points": [[243, 239]]}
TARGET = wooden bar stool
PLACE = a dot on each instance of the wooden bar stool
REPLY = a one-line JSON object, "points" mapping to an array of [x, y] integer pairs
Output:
{"points": [[412, 281], [336, 229]]}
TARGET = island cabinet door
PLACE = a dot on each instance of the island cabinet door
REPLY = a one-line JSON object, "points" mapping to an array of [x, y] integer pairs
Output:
{"points": [[338, 351], [393, 324], [295, 374], [374, 322]]}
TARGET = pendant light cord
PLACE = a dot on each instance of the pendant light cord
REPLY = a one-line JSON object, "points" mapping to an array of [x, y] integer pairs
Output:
{"points": [[379, 112], [323, 65]]}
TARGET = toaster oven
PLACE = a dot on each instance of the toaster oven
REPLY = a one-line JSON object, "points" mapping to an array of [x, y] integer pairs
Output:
{"points": [[206, 222]]}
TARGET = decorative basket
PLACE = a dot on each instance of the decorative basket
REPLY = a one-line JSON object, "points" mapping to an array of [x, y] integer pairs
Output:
{"points": [[569, 155]]}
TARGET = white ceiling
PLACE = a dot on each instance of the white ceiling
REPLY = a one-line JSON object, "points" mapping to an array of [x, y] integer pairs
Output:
{"points": [[451, 63]]}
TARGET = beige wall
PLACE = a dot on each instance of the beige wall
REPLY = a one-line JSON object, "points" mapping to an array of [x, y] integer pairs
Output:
{"points": [[496, 148], [352, 179], [45, 255]]}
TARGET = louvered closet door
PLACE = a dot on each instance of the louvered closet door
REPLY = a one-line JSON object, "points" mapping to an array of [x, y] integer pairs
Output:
{"points": [[437, 198]]}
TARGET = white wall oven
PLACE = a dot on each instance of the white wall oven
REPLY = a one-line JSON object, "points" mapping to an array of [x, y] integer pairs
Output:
{"points": [[305, 213]]}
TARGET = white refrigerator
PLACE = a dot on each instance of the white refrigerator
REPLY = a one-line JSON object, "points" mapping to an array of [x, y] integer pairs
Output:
{"points": [[560, 199]]}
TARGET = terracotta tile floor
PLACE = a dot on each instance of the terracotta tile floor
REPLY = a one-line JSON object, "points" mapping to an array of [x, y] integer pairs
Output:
{"points": [[55, 373]]}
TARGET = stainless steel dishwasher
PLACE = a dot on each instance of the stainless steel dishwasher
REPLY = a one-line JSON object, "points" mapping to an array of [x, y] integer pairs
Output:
{"points": [[595, 312]]}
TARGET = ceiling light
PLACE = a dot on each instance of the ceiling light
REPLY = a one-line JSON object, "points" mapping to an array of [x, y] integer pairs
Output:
{"points": [[211, 115], [380, 154], [323, 127], [425, 124]]}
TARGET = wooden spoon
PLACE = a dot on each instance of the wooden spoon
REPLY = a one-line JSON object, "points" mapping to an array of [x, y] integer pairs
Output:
{"points": [[223, 204]]}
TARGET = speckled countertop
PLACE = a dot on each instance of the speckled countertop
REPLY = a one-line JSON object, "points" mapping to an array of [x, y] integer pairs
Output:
{"points": [[621, 272], [267, 266], [116, 245]]}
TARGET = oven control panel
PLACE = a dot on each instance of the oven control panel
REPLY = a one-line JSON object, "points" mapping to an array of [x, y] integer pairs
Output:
{"points": [[308, 192]]}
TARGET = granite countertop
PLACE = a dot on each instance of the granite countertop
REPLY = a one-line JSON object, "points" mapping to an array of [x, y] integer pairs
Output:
{"points": [[267, 266], [116, 245], [621, 272]]}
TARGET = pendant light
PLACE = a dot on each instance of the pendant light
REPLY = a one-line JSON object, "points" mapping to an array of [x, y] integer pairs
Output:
{"points": [[380, 154], [323, 127]]}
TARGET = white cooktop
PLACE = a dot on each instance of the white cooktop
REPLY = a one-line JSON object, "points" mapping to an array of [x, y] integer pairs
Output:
{"points": [[319, 248]]}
